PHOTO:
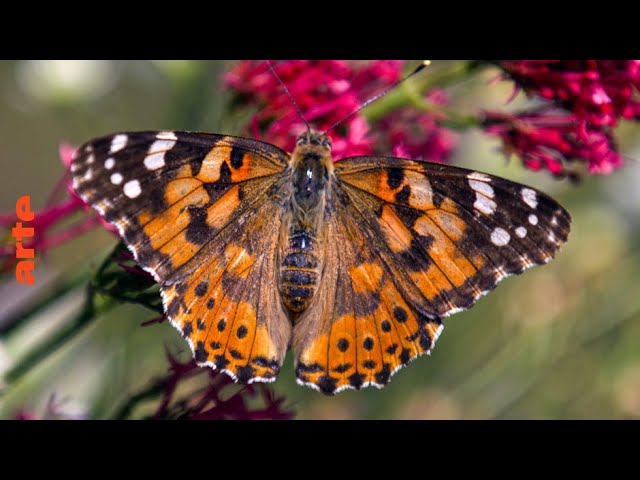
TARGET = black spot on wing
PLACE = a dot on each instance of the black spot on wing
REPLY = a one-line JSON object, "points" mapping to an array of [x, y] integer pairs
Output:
{"points": [[327, 384], [400, 314], [236, 354], [187, 329], [405, 355], [382, 377], [198, 231], [201, 289], [242, 332], [221, 362], [356, 380], [342, 368], [237, 155], [266, 363], [403, 195], [311, 368], [200, 353], [395, 177]]}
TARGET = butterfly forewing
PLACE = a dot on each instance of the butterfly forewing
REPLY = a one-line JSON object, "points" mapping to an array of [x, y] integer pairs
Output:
{"points": [[198, 212], [454, 233]]}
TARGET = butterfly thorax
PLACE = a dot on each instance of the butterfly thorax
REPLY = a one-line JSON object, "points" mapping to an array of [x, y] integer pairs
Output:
{"points": [[302, 234]]}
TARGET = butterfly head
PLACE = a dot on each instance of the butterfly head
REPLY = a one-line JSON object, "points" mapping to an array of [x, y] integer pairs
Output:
{"points": [[313, 141], [312, 167]]}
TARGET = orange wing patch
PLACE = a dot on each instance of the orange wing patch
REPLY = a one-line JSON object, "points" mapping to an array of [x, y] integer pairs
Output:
{"points": [[362, 330], [217, 310], [422, 237]]}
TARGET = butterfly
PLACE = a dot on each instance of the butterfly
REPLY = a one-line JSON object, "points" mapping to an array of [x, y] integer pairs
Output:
{"points": [[353, 264]]}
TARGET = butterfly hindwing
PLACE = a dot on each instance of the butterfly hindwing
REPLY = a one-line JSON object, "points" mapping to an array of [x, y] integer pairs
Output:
{"points": [[361, 330], [193, 209], [228, 308]]}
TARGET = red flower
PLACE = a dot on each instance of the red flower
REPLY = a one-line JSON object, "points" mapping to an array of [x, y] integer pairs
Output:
{"points": [[221, 399], [546, 140], [322, 90], [598, 91], [53, 214], [326, 92], [410, 133], [583, 100]]}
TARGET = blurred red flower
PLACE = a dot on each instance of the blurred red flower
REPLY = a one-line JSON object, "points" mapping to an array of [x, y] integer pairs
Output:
{"points": [[220, 399], [582, 101], [326, 91], [411, 133], [597, 91], [550, 141], [54, 213]]}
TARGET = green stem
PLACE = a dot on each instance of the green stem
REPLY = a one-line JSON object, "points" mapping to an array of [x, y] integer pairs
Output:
{"points": [[411, 92], [54, 295], [59, 338], [90, 311], [153, 391]]}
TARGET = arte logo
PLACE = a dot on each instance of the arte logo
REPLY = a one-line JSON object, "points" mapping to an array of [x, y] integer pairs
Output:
{"points": [[24, 268]]}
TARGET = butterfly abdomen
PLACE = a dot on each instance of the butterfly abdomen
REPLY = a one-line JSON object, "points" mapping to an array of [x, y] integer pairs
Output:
{"points": [[299, 271]]}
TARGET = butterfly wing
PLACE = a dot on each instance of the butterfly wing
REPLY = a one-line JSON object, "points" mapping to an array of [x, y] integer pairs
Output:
{"points": [[198, 212], [418, 241]]}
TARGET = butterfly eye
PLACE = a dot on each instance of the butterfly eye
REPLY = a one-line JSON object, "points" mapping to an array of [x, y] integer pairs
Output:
{"points": [[326, 143], [300, 140]]}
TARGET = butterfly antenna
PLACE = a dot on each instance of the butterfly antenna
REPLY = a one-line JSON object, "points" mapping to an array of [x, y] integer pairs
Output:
{"points": [[424, 64], [286, 90]]}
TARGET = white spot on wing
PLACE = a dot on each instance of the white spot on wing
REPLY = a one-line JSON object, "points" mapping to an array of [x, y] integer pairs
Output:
{"points": [[521, 232], [485, 205], [132, 188], [155, 161], [533, 219], [116, 179], [155, 156], [479, 176], [89, 174], [166, 136], [482, 187], [484, 193], [91, 159], [118, 142], [500, 237], [109, 163], [530, 197]]}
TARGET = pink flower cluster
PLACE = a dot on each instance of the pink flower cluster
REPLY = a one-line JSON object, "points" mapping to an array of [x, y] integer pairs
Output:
{"points": [[582, 102], [598, 91], [56, 212], [326, 91]]}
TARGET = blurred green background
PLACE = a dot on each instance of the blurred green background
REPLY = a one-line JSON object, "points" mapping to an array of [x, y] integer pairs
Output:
{"points": [[560, 341]]}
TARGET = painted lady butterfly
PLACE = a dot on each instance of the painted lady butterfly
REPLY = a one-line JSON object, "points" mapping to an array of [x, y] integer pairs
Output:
{"points": [[352, 264]]}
